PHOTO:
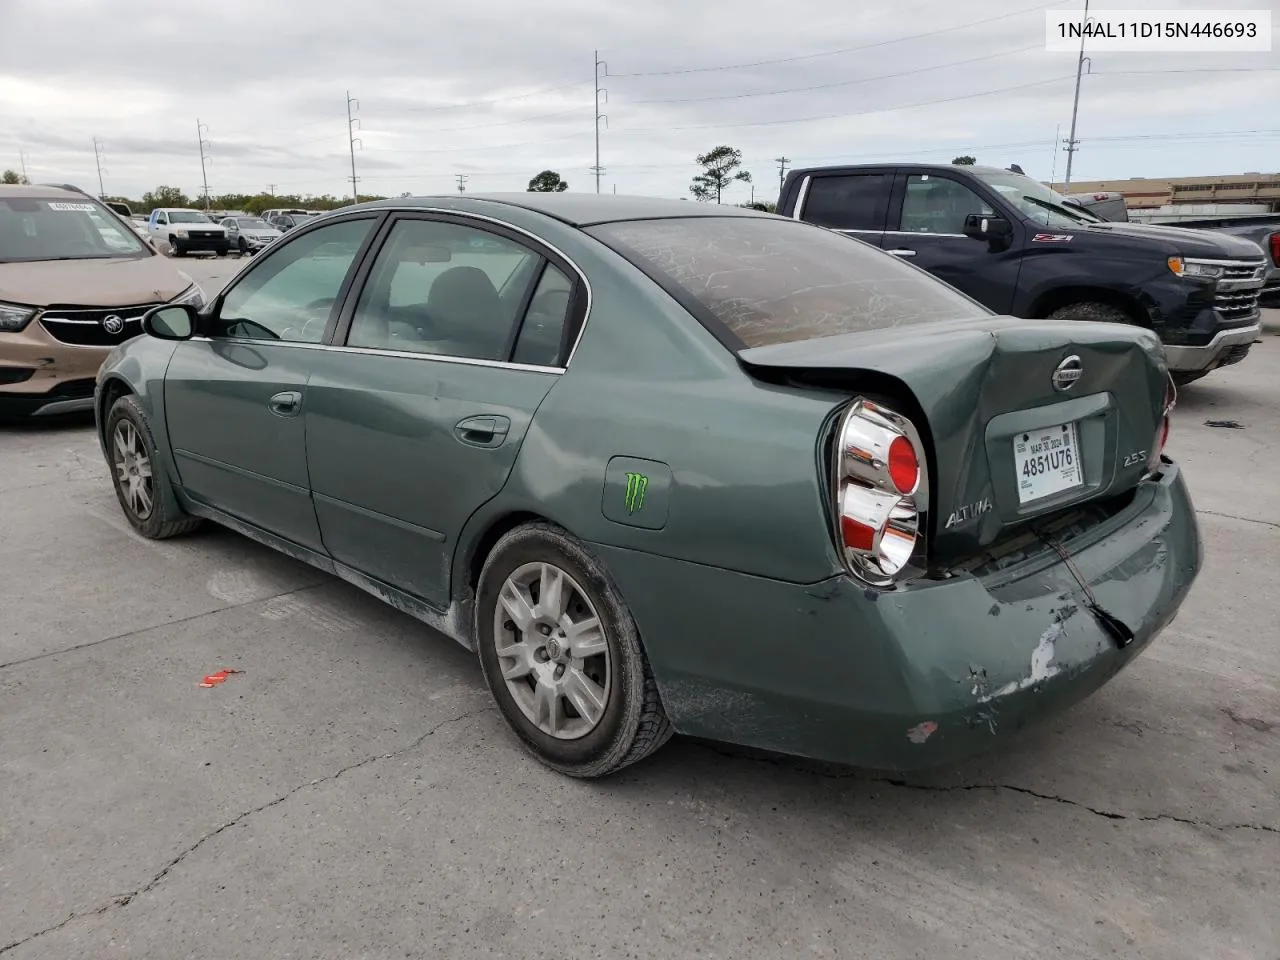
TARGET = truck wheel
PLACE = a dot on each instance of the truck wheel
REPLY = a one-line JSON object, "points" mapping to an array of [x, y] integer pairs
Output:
{"points": [[562, 655], [223, 251], [1092, 312], [175, 248]]}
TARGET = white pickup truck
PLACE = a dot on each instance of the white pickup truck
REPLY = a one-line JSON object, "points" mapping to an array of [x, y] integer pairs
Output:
{"points": [[185, 231]]}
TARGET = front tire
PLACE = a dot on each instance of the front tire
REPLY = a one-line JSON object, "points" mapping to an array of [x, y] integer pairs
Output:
{"points": [[144, 493], [243, 246], [176, 248], [1092, 313], [562, 655]]}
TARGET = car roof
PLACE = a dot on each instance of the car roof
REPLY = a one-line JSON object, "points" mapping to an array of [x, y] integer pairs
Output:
{"points": [[958, 167], [576, 209], [37, 190]]}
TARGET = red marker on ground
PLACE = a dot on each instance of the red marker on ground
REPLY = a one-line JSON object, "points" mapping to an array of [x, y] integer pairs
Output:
{"points": [[213, 679]]}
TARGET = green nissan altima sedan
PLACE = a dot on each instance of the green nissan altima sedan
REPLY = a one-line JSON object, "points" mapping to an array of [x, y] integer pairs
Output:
{"points": [[672, 467]]}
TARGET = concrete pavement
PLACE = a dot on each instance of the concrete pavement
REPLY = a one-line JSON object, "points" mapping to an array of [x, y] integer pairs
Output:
{"points": [[353, 794]]}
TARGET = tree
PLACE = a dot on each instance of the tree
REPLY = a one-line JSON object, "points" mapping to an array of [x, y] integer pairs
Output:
{"points": [[548, 181], [719, 170], [965, 161], [12, 176], [165, 197]]}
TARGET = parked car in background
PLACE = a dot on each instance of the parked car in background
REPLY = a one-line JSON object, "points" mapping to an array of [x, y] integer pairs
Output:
{"points": [[249, 234], [285, 222], [1106, 205], [74, 282], [668, 465], [183, 231], [1019, 248], [274, 212]]}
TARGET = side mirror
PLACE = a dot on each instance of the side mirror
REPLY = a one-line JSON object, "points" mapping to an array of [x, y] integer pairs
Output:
{"points": [[172, 321], [991, 228]]}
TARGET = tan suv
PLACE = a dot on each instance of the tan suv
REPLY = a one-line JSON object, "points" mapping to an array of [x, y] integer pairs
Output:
{"points": [[75, 280]]}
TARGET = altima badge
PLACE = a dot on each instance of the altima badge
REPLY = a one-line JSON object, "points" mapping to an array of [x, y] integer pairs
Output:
{"points": [[1068, 372]]}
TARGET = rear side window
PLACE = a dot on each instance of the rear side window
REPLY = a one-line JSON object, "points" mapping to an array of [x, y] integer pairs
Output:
{"points": [[853, 202], [770, 280]]}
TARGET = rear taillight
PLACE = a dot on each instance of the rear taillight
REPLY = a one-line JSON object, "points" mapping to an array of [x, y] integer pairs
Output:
{"points": [[1162, 430], [1274, 243], [878, 483]]}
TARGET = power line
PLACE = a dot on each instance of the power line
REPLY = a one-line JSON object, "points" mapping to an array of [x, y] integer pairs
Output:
{"points": [[496, 146], [842, 50], [492, 100], [842, 116], [840, 83], [504, 123]]}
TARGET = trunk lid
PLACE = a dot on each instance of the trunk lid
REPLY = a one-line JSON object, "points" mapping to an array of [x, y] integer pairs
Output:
{"points": [[999, 456]]}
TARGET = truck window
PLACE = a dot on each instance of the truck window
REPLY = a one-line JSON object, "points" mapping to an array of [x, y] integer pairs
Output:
{"points": [[934, 204], [848, 202]]}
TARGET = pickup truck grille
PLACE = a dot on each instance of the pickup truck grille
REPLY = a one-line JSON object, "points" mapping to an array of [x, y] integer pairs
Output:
{"points": [[1236, 299], [94, 326], [203, 234]]}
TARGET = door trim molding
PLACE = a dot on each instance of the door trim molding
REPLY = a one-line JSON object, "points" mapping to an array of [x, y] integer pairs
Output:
{"points": [[427, 532], [179, 453]]}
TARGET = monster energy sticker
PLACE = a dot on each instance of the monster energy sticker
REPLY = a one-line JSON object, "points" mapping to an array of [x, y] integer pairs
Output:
{"points": [[637, 484]]}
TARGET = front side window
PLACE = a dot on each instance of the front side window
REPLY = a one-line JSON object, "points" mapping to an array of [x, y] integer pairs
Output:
{"points": [[39, 228], [769, 280], [290, 294], [848, 202], [934, 204], [445, 289]]}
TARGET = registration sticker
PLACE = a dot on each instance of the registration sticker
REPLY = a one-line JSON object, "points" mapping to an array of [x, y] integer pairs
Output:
{"points": [[1047, 461], [73, 207]]}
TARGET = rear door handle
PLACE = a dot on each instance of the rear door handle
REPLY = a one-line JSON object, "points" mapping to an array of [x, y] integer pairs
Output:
{"points": [[902, 252], [287, 404], [482, 431]]}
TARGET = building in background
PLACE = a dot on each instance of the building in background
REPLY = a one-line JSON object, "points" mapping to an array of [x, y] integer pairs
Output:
{"points": [[1190, 197]]}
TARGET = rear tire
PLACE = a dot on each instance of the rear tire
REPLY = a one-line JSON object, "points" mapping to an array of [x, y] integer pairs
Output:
{"points": [[1092, 313], [144, 492], [540, 679]]}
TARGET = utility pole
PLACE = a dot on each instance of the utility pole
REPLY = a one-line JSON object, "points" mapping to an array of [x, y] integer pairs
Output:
{"points": [[201, 130], [782, 172], [22, 161], [97, 158], [271, 189], [1072, 143], [353, 124], [600, 91], [1053, 170], [462, 182]]}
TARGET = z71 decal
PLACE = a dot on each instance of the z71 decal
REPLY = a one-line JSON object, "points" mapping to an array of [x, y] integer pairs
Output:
{"points": [[1051, 238]]}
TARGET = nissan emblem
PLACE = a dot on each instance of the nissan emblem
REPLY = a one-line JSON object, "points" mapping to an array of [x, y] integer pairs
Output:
{"points": [[1067, 373]]}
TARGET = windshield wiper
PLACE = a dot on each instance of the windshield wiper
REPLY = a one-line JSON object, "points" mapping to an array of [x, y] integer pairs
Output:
{"points": [[1080, 215]]}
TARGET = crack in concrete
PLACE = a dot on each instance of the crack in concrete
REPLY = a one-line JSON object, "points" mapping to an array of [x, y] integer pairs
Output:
{"points": [[994, 788], [124, 899], [158, 626], [1232, 516]]}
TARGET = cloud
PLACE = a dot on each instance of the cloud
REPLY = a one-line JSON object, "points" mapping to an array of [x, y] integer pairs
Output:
{"points": [[504, 89]]}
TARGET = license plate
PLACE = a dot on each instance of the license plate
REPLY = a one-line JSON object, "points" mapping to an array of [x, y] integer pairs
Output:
{"points": [[1047, 461]]}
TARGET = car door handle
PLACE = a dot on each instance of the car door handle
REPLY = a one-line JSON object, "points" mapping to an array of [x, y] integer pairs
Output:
{"points": [[287, 404], [902, 252], [482, 431]]}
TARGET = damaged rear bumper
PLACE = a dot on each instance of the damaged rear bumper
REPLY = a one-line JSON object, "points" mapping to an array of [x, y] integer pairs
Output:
{"points": [[923, 675]]}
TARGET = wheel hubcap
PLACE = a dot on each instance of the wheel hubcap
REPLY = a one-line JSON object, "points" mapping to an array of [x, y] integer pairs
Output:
{"points": [[552, 651], [133, 470]]}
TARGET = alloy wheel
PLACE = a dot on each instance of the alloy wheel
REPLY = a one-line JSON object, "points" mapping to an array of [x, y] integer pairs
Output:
{"points": [[552, 651], [133, 469]]}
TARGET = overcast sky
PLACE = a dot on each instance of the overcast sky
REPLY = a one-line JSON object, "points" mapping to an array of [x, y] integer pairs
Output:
{"points": [[500, 89]]}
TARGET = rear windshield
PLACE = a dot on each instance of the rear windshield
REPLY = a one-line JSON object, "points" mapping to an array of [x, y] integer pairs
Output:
{"points": [[771, 280], [35, 228]]}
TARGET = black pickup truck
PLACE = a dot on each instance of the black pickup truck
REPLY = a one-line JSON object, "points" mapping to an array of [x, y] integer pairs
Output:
{"points": [[1019, 248]]}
